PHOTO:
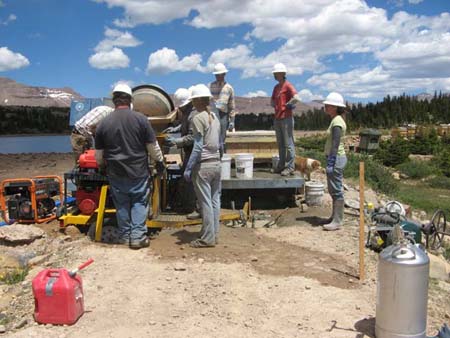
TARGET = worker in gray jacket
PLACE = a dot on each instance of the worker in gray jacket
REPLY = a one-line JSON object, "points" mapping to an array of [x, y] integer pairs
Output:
{"points": [[186, 140], [203, 167]]}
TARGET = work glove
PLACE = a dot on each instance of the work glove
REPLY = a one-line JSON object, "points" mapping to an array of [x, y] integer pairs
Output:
{"points": [[172, 129], [187, 175], [160, 167], [231, 126], [290, 106], [331, 161], [169, 141]]}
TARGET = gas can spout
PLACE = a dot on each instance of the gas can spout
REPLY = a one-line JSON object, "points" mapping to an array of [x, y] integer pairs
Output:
{"points": [[82, 266]]}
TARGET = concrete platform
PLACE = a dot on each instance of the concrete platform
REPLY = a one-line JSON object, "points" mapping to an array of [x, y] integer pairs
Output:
{"points": [[263, 179]]}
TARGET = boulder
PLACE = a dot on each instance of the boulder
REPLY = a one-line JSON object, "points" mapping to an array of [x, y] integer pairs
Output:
{"points": [[19, 234], [439, 268]]}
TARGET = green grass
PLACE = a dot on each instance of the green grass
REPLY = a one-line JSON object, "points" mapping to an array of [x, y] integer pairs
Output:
{"points": [[14, 277], [417, 169], [421, 196]]}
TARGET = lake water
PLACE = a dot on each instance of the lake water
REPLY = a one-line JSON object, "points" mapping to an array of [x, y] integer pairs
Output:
{"points": [[35, 144]]}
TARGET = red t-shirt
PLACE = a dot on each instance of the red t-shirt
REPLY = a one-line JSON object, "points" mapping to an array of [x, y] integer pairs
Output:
{"points": [[281, 95]]}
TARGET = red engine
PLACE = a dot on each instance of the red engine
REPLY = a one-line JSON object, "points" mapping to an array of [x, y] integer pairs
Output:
{"points": [[89, 182]]}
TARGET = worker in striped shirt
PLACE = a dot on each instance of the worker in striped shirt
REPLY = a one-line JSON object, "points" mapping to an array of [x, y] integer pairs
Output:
{"points": [[83, 132], [223, 94]]}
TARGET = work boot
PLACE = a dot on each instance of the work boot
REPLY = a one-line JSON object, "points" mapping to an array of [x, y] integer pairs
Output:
{"points": [[324, 221], [276, 170], [144, 242], [338, 217], [194, 215], [287, 172]]}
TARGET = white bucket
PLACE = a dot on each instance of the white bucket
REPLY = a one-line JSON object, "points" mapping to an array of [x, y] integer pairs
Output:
{"points": [[275, 160], [314, 193], [244, 165], [225, 169]]}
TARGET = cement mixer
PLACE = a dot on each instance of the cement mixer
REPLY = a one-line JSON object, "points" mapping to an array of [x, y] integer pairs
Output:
{"points": [[156, 104]]}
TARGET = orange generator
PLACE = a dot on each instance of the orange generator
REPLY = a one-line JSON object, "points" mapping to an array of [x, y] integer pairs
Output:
{"points": [[30, 200]]}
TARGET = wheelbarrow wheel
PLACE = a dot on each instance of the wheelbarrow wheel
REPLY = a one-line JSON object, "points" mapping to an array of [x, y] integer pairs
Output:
{"points": [[437, 230]]}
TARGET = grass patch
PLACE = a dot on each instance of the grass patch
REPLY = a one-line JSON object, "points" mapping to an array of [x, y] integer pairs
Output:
{"points": [[13, 277], [420, 196], [439, 182], [417, 169]]}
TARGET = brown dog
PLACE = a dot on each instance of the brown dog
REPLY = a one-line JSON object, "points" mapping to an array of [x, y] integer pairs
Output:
{"points": [[306, 166]]}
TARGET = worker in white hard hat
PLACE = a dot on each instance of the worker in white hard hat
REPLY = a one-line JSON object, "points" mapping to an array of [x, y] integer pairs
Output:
{"points": [[204, 166], [284, 98], [125, 142], [336, 158], [185, 142], [223, 94], [83, 132]]}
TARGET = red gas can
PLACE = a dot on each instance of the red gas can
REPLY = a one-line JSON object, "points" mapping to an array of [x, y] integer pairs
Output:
{"points": [[58, 296]]}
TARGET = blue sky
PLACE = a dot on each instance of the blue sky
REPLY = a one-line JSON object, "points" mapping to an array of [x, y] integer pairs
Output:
{"points": [[363, 49]]}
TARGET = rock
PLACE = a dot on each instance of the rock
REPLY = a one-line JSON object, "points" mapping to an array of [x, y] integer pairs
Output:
{"points": [[180, 267], [37, 260], [404, 176], [439, 268], [2, 329], [19, 234], [396, 176], [200, 260], [254, 259], [21, 323], [425, 158], [303, 207], [72, 231]]}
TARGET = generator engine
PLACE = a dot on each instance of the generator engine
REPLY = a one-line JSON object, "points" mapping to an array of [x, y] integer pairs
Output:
{"points": [[88, 181], [30, 200]]}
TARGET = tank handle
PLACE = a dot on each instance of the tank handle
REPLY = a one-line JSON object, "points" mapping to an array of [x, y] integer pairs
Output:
{"points": [[404, 253]]}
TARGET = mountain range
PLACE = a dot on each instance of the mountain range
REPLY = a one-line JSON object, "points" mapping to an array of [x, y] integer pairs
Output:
{"points": [[13, 93]]}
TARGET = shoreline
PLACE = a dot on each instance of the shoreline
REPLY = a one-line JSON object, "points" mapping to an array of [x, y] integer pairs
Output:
{"points": [[37, 134]]}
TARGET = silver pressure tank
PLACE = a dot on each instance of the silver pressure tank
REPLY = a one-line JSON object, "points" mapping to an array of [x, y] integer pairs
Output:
{"points": [[402, 292]]}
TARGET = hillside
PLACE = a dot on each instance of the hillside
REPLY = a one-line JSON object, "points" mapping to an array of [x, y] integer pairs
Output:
{"points": [[13, 93]]}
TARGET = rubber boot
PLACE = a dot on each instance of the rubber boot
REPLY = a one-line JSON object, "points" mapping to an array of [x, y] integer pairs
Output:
{"points": [[338, 217], [324, 221]]}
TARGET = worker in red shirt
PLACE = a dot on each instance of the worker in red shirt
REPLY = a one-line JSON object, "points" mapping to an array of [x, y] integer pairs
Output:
{"points": [[284, 98]]}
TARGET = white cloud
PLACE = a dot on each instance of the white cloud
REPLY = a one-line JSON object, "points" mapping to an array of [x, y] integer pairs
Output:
{"points": [[10, 60], [399, 46], [112, 59], [11, 18], [307, 96], [166, 60], [258, 93], [116, 38]]}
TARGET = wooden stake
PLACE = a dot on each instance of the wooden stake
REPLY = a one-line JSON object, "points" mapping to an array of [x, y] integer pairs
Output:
{"points": [[361, 221]]}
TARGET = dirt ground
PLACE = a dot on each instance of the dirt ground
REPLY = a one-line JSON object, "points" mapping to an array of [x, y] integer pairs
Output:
{"points": [[290, 280]]}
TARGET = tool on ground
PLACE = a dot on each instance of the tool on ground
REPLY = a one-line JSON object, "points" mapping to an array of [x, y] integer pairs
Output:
{"points": [[30, 200], [58, 295]]}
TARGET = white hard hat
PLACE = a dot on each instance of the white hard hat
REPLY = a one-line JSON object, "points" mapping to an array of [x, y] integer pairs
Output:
{"points": [[219, 68], [200, 90], [334, 99], [279, 68], [122, 88], [183, 96]]}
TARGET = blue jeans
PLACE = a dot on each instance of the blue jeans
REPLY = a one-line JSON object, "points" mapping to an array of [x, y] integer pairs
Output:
{"points": [[335, 179], [224, 123], [131, 197], [284, 131], [207, 186]]}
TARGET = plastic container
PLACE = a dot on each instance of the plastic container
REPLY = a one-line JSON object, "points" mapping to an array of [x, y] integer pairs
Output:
{"points": [[275, 160], [225, 172], [244, 165], [58, 297], [314, 193]]}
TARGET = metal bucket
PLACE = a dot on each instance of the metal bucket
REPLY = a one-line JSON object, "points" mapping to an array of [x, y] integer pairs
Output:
{"points": [[314, 193], [152, 101]]}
